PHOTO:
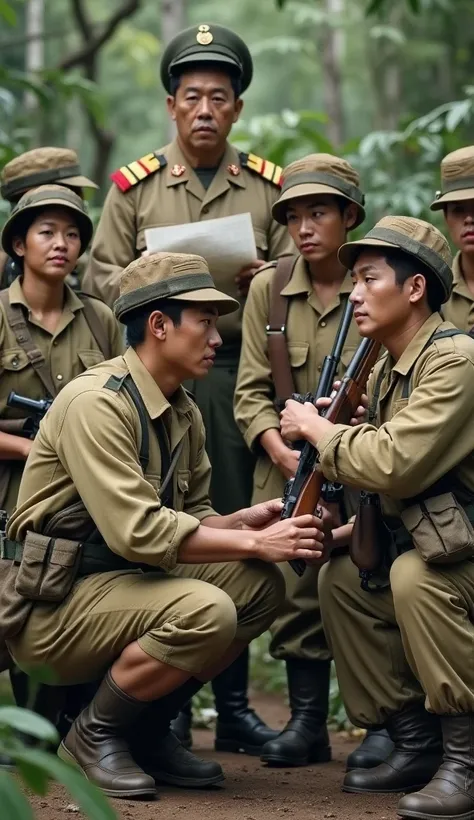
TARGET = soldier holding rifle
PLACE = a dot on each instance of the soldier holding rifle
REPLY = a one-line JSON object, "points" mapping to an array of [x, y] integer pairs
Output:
{"points": [[404, 653]]}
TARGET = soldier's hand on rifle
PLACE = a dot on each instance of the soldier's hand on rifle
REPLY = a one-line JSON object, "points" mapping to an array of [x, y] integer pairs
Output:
{"points": [[262, 515], [300, 537], [302, 421], [245, 276], [327, 521], [360, 415]]}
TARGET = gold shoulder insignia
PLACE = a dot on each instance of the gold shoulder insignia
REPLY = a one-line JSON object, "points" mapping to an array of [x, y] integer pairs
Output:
{"points": [[129, 175], [268, 170]]}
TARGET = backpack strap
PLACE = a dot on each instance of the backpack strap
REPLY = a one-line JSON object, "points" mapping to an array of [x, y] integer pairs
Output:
{"points": [[276, 332], [95, 325], [440, 334], [17, 322]]}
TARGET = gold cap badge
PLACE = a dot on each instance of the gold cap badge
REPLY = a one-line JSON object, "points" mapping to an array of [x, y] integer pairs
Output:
{"points": [[204, 36]]}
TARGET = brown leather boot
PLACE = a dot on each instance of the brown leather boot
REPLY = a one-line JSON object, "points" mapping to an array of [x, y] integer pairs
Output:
{"points": [[417, 754], [450, 795], [95, 743]]}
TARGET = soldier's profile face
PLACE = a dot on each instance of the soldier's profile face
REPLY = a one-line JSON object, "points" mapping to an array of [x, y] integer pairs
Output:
{"points": [[459, 218], [190, 347], [318, 225], [51, 245], [381, 305], [204, 109]]}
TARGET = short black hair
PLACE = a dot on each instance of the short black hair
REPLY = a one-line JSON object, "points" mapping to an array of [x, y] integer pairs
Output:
{"points": [[136, 321], [234, 76], [405, 265]]}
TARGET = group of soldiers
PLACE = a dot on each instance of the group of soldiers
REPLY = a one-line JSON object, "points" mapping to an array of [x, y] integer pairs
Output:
{"points": [[133, 572]]}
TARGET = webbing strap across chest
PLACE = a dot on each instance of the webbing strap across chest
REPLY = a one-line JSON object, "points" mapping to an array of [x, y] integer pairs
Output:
{"points": [[276, 331], [168, 461], [406, 387]]}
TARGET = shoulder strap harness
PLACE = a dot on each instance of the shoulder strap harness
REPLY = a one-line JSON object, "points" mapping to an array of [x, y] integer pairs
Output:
{"points": [[276, 332], [129, 175], [17, 321]]}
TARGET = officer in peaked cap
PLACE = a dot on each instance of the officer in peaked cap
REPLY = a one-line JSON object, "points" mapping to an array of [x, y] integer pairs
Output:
{"points": [[199, 176]]}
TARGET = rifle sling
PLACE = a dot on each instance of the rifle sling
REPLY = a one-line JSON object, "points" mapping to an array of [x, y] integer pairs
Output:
{"points": [[276, 332]]}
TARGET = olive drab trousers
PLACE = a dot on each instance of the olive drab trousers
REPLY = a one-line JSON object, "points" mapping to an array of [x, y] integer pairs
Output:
{"points": [[413, 641]]}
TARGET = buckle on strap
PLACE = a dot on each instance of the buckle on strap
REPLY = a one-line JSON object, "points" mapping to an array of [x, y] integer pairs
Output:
{"points": [[272, 331]]}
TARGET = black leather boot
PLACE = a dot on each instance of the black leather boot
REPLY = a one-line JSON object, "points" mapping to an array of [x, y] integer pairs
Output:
{"points": [[158, 750], [305, 737], [181, 725], [239, 728], [96, 743], [450, 794], [416, 735], [374, 749]]}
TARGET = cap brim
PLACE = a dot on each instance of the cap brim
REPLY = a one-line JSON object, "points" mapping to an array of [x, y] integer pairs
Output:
{"points": [[453, 196], [224, 304], [84, 223], [78, 182], [349, 252], [279, 208], [206, 57]]}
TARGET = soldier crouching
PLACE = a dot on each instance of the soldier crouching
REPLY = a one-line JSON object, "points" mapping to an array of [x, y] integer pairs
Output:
{"points": [[121, 570]]}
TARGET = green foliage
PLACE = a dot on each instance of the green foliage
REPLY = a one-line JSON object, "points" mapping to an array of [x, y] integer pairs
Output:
{"points": [[36, 767]]}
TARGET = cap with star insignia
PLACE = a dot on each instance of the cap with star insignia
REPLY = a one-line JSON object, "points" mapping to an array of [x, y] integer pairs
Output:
{"points": [[206, 43], [129, 175]]}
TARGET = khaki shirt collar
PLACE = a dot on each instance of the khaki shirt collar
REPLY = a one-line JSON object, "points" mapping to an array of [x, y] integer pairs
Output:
{"points": [[222, 180], [153, 399], [300, 281], [417, 344], [72, 302], [459, 283]]}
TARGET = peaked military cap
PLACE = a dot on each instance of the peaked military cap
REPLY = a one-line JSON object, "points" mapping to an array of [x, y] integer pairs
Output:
{"points": [[206, 43], [457, 178], [44, 197], [42, 166], [182, 276], [414, 236], [318, 174]]}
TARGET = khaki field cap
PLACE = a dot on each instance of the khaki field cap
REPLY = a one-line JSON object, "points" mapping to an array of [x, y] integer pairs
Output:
{"points": [[47, 196], [206, 43], [414, 236], [319, 174], [41, 166], [457, 178], [182, 276]]}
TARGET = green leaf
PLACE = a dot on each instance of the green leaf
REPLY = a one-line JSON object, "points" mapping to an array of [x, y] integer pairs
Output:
{"points": [[14, 804], [35, 778], [459, 112], [91, 800], [22, 720], [8, 13]]}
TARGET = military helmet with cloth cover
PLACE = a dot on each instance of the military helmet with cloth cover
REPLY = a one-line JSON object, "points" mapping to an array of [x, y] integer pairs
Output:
{"points": [[206, 43], [319, 174], [414, 236], [42, 166], [181, 276], [47, 196], [457, 178]]}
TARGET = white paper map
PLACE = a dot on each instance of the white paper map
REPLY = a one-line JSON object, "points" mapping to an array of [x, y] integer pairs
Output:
{"points": [[227, 243]]}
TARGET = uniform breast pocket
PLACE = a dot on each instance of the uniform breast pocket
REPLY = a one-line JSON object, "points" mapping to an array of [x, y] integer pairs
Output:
{"points": [[89, 358], [261, 242], [298, 353], [15, 371], [183, 479]]}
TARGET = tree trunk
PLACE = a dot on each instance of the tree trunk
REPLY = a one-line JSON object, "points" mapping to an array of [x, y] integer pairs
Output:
{"points": [[173, 20], [34, 51], [332, 49]]}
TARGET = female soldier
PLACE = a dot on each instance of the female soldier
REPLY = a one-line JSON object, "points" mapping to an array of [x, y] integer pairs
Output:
{"points": [[320, 202], [48, 333]]}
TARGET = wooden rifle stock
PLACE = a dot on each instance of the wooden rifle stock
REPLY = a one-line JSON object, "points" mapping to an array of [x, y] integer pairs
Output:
{"points": [[345, 402]]}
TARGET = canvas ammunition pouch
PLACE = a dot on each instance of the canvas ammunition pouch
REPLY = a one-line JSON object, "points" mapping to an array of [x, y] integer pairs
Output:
{"points": [[46, 565]]}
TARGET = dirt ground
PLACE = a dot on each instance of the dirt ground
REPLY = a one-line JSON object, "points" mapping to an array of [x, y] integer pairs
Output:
{"points": [[250, 792]]}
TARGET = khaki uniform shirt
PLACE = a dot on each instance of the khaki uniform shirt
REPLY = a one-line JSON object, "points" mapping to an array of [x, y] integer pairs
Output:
{"points": [[164, 199], [420, 438], [88, 448], [459, 309], [70, 350], [311, 330]]}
